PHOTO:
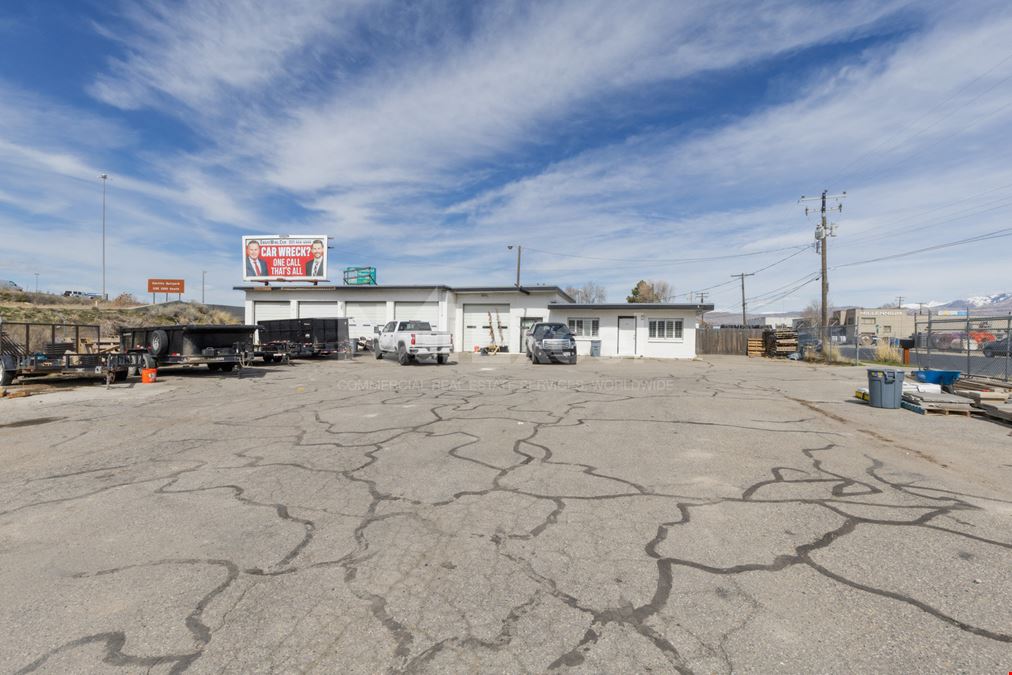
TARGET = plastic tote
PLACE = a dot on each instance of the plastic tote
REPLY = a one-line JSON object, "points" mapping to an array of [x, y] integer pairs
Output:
{"points": [[885, 387]]}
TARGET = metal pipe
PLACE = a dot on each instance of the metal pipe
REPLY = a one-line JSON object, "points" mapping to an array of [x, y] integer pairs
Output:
{"points": [[1008, 343], [927, 357], [968, 343], [104, 178]]}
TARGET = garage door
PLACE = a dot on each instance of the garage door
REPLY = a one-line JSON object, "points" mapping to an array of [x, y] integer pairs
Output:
{"points": [[318, 310], [417, 311], [363, 316], [476, 325], [265, 311]]}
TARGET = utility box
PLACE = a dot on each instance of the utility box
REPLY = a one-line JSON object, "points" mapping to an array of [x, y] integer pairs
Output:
{"points": [[595, 347]]}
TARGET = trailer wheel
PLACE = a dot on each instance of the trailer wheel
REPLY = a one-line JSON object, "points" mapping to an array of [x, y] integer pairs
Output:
{"points": [[278, 358], [6, 374], [214, 367], [226, 367], [159, 342]]}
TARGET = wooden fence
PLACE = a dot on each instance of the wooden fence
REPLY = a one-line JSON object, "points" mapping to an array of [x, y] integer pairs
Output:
{"points": [[725, 340]]}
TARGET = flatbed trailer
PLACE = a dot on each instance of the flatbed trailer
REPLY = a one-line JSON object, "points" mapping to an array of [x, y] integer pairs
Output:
{"points": [[302, 338], [221, 347], [29, 350]]}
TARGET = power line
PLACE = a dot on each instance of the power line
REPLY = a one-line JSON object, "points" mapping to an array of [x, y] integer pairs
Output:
{"points": [[997, 234], [788, 293], [670, 260]]}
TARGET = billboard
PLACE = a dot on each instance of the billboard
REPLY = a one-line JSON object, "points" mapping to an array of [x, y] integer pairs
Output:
{"points": [[297, 257], [166, 286]]}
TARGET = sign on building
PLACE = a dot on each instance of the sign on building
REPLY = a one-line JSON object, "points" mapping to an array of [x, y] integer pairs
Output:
{"points": [[300, 257], [177, 286], [360, 276]]}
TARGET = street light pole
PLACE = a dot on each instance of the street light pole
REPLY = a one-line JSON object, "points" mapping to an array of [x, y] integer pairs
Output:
{"points": [[36, 283], [203, 277], [519, 249], [104, 177]]}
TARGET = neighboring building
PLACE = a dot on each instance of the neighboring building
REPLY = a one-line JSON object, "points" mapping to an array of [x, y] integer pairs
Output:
{"points": [[884, 323], [779, 321], [662, 330]]}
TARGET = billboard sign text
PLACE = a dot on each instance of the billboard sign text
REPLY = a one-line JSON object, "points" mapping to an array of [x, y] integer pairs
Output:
{"points": [[299, 257], [166, 286]]}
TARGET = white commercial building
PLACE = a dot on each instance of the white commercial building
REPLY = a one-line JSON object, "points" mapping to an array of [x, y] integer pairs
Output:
{"points": [[472, 314]]}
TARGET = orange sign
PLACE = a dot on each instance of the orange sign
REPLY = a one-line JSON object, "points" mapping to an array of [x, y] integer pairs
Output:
{"points": [[166, 286]]}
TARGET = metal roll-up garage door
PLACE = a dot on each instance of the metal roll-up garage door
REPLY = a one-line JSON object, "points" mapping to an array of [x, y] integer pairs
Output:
{"points": [[476, 325], [318, 310], [265, 311], [418, 311], [363, 316]]}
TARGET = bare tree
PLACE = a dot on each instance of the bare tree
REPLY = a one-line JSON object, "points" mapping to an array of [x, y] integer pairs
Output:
{"points": [[590, 293], [651, 291], [812, 314]]}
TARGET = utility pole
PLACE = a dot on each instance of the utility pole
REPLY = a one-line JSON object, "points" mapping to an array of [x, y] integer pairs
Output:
{"points": [[203, 278], [744, 321], [702, 297], [36, 283], [823, 232], [899, 302], [519, 249], [104, 177]]}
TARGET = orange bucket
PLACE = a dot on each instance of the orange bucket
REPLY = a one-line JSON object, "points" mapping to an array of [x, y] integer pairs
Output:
{"points": [[149, 375]]}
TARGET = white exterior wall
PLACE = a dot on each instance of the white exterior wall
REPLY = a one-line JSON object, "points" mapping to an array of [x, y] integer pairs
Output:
{"points": [[685, 348], [521, 305], [451, 304]]}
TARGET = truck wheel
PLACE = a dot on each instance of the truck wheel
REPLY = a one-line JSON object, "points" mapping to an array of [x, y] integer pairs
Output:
{"points": [[376, 349], [441, 359], [403, 357], [278, 358], [159, 342], [988, 354]]}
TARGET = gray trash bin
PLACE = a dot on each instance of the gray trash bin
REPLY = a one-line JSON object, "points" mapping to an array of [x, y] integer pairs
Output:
{"points": [[885, 387], [595, 347]]}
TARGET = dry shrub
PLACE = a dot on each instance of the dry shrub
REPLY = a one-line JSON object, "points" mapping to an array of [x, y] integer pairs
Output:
{"points": [[886, 353], [125, 300]]}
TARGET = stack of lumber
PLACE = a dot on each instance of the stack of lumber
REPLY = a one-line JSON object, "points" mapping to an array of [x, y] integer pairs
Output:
{"points": [[755, 346], [780, 342], [982, 391], [998, 411], [939, 404]]}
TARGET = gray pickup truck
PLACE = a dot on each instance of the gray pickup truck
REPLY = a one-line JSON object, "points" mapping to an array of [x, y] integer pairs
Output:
{"points": [[551, 343]]}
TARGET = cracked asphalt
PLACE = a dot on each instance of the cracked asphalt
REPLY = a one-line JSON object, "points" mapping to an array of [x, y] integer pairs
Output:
{"points": [[720, 515]]}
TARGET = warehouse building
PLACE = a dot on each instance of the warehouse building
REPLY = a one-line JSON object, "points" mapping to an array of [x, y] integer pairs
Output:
{"points": [[471, 314]]}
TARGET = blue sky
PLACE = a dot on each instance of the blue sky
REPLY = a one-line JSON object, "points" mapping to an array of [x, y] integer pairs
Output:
{"points": [[614, 141]]}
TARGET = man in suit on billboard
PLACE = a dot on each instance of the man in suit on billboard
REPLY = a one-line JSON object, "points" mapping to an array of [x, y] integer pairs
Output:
{"points": [[314, 267], [255, 267]]}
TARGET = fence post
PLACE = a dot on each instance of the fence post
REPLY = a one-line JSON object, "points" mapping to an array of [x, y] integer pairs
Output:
{"points": [[927, 357], [1008, 343], [967, 343]]}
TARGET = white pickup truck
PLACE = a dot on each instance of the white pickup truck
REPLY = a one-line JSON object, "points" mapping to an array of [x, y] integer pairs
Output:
{"points": [[411, 339]]}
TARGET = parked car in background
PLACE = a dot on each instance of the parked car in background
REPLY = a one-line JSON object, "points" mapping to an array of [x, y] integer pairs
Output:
{"points": [[81, 294], [411, 340], [549, 342], [9, 286], [995, 348]]}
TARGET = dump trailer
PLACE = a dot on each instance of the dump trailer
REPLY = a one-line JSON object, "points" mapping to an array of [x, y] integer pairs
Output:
{"points": [[66, 350], [301, 338], [219, 347]]}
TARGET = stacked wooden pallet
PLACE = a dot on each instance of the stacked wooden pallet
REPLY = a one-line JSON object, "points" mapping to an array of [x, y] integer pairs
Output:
{"points": [[938, 404], [998, 411], [780, 342], [755, 347]]}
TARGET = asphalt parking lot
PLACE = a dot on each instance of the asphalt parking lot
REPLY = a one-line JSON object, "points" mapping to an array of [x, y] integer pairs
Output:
{"points": [[718, 515]]}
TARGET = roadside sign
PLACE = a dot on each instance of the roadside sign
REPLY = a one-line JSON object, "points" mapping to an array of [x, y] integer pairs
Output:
{"points": [[360, 276], [166, 286], [296, 257]]}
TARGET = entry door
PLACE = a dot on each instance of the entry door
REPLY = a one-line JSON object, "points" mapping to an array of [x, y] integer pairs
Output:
{"points": [[525, 325], [627, 335]]}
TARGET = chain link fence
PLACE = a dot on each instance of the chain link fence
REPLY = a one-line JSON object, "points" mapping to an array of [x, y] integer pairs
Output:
{"points": [[978, 346]]}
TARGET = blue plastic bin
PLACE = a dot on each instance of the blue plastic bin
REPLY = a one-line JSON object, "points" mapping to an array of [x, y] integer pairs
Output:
{"points": [[946, 378]]}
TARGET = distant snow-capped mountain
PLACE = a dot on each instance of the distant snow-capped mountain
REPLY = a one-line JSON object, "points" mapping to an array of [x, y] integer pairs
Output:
{"points": [[926, 305], [996, 301]]}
